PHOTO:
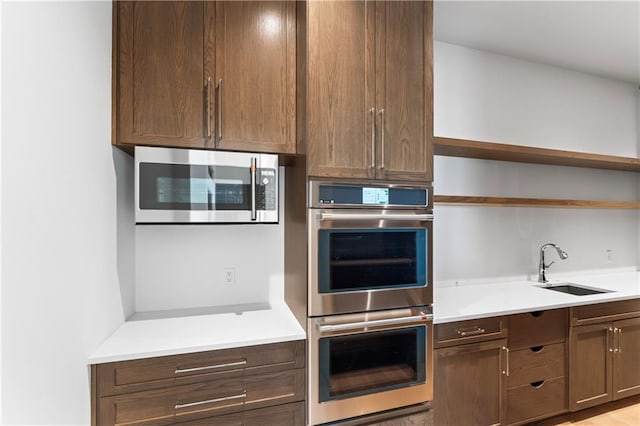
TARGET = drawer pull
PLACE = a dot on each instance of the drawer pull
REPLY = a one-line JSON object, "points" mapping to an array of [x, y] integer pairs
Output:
{"points": [[537, 349], [210, 401], [210, 367], [473, 332], [537, 385]]}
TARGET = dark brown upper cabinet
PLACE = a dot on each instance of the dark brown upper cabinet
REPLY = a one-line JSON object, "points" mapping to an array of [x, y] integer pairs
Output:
{"points": [[369, 93], [206, 75], [159, 74]]}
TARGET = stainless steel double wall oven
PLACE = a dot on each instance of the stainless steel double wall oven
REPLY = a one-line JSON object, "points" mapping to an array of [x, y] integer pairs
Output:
{"points": [[369, 298]]}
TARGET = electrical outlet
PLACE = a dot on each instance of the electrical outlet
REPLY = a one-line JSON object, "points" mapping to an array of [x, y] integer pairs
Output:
{"points": [[229, 275], [609, 255]]}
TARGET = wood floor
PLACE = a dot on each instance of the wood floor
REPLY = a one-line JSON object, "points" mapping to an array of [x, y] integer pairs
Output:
{"points": [[625, 412]]}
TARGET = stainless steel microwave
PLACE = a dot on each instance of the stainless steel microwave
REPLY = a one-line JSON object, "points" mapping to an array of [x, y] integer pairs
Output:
{"points": [[198, 186]]}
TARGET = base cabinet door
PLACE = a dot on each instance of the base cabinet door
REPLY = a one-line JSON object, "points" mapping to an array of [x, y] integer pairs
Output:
{"points": [[626, 358], [469, 384], [590, 365]]}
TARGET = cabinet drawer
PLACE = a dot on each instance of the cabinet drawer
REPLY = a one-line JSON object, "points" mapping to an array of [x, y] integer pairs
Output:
{"points": [[537, 328], [529, 401], [201, 400], [461, 332], [154, 373], [603, 312], [281, 415], [535, 364]]}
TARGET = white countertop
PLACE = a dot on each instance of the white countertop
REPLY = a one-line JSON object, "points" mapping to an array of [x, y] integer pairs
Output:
{"points": [[464, 302], [195, 333]]}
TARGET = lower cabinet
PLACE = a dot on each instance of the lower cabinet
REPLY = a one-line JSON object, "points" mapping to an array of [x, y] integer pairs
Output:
{"points": [[470, 378], [501, 370], [259, 385], [604, 353], [536, 382]]}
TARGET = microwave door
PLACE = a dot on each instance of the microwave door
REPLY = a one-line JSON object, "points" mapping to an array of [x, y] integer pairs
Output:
{"points": [[205, 187]]}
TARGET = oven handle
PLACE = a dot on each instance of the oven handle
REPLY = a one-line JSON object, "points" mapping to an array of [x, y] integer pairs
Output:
{"points": [[417, 319], [253, 189], [372, 216]]}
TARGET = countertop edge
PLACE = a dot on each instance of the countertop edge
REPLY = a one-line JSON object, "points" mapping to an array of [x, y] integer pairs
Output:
{"points": [[93, 360]]}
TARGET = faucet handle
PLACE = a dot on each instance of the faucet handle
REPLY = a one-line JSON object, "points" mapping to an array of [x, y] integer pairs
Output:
{"points": [[549, 265]]}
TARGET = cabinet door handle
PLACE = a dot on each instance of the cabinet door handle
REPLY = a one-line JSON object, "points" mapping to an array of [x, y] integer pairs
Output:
{"points": [[210, 367], [610, 339], [220, 109], [382, 138], [209, 108], [506, 371], [210, 401], [253, 188], [619, 346], [373, 137], [473, 332]]}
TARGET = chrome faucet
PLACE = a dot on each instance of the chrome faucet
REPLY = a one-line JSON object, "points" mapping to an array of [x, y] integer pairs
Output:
{"points": [[542, 278]]}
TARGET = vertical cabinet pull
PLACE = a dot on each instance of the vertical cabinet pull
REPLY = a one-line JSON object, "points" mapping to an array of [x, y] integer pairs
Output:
{"points": [[506, 370], [382, 138], [253, 188], [219, 109], [610, 339], [618, 346], [208, 108], [373, 137]]}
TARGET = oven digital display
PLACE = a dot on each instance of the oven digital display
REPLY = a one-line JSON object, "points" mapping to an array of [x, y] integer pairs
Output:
{"points": [[375, 195]]}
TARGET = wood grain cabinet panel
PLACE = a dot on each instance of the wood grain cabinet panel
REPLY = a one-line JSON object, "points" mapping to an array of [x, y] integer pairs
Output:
{"points": [[604, 356], [178, 403], [159, 73], [404, 91], [281, 415], [255, 75], [538, 328], [535, 364], [369, 97], [205, 75], [150, 373], [471, 331], [193, 387], [536, 383], [535, 400], [626, 358], [469, 384], [341, 104], [590, 366]]}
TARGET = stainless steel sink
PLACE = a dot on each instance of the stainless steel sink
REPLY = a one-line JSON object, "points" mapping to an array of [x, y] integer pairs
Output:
{"points": [[576, 290]]}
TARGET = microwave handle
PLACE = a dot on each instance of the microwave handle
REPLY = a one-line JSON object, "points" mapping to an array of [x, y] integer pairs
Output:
{"points": [[253, 188], [370, 216], [417, 319]]}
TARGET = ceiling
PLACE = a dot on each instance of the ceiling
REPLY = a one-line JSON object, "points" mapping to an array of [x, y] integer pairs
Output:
{"points": [[596, 37]]}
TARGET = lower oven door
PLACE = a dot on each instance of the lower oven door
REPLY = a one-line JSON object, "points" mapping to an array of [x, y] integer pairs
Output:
{"points": [[364, 363]]}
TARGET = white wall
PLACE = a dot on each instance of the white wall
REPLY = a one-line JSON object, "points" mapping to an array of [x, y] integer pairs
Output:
{"points": [[67, 233], [181, 267], [488, 97]]}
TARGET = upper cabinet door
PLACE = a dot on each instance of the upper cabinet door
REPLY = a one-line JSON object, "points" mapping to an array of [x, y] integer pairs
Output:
{"points": [[255, 74], [370, 90], [405, 90], [340, 115], [159, 74]]}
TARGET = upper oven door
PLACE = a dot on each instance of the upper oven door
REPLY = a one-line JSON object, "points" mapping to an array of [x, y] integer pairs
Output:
{"points": [[363, 260], [186, 186]]}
